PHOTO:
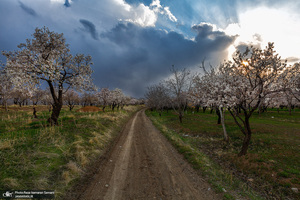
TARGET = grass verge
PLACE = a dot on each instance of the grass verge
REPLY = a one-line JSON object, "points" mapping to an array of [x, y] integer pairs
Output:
{"points": [[36, 156], [269, 171]]}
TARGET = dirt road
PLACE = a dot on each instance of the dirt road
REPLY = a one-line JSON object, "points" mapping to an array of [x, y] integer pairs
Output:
{"points": [[143, 165]]}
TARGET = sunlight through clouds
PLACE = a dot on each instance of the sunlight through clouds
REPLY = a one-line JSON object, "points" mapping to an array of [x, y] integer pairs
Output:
{"points": [[143, 16], [158, 8], [126, 6], [262, 25]]}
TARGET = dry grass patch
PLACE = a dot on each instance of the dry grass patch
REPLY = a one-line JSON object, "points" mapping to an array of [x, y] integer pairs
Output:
{"points": [[11, 182], [34, 155], [7, 144]]}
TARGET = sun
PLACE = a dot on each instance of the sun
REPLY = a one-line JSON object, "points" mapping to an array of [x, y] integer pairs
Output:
{"points": [[245, 63]]}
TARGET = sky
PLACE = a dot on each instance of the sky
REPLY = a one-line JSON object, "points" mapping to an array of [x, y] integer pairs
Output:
{"points": [[134, 43]]}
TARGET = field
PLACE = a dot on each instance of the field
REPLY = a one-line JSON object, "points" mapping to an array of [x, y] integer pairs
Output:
{"points": [[271, 169], [36, 156]]}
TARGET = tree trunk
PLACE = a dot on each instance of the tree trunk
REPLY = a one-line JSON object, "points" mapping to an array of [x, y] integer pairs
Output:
{"points": [[34, 113], [259, 110], [219, 115], [247, 137], [245, 146], [71, 107], [5, 105], [185, 106], [53, 120], [103, 108], [197, 108], [180, 117], [57, 103], [222, 116], [290, 109], [204, 108]]}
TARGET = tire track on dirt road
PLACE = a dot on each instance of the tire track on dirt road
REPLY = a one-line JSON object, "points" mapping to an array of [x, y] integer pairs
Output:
{"points": [[144, 165]]}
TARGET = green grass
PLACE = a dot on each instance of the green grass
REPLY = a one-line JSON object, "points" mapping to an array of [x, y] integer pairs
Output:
{"points": [[34, 155], [273, 159]]}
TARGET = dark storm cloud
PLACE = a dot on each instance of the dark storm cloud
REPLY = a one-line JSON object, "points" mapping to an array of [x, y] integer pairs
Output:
{"points": [[143, 56], [242, 46], [205, 33], [27, 9], [89, 27], [125, 55], [67, 3]]}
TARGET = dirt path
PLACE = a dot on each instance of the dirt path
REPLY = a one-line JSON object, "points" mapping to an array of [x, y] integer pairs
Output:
{"points": [[143, 165]]}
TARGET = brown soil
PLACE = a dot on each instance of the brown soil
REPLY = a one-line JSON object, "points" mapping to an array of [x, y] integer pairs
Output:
{"points": [[25, 108], [143, 165], [89, 109]]}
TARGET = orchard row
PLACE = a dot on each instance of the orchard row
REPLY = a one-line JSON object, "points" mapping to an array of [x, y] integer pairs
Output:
{"points": [[254, 80]]}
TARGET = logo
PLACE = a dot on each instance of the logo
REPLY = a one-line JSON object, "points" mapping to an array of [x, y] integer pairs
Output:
{"points": [[8, 194]]}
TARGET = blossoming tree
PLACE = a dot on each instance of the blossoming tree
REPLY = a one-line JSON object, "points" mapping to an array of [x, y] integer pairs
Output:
{"points": [[290, 81], [103, 97], [6, 88], [71, 98], [178, 87], [248, 80], [157, 97], [116, 98], [46, 58]]}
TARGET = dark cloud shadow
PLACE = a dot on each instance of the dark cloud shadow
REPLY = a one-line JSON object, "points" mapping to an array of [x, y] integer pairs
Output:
{"points": [[89, 27], [67, 3], [27, 9]]}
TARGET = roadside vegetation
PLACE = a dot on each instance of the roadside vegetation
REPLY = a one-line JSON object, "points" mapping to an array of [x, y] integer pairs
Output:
{"points": [[271, 167], [37, 156]]}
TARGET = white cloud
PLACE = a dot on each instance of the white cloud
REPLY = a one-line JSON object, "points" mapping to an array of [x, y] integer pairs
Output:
{"points": [[60, 1], [122, 3], [155, 3], [143, 16], [261, 25], [169, 14], [158, 8]]}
